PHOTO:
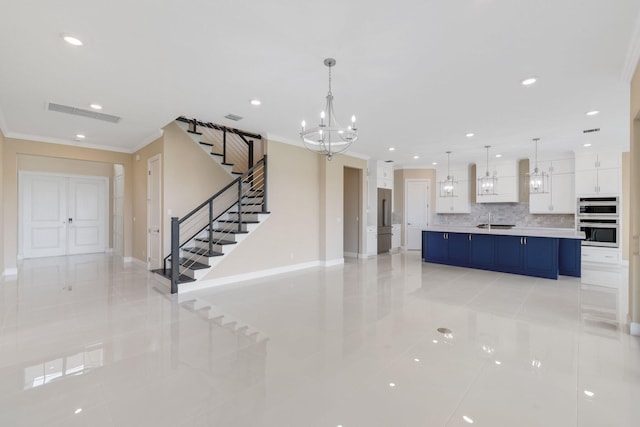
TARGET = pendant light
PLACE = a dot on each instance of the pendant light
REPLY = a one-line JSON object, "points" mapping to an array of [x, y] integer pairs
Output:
{"points": [[538, 180], [448, 186], [487, 183]]}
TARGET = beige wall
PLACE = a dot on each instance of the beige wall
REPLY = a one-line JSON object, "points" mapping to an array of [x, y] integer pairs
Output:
{"points": [[28, 162], [291, 233], [399, 178], [16, 147], [352, 200], [2, 264]]}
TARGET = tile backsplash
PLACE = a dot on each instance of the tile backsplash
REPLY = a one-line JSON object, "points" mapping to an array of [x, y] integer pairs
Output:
{"points": [[505, 213]]}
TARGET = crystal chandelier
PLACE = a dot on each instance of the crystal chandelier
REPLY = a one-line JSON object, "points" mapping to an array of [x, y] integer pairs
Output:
{"points": [[329, 138], [538, 181], [487, 183], [448, 186]]}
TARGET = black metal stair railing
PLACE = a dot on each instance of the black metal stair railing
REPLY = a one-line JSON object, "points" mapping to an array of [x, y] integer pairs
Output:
{"points": [[237, 147], [246, 194]]}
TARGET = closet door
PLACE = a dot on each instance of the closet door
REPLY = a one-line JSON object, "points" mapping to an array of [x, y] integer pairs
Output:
{"points": [[44, 210], [86, 220]]}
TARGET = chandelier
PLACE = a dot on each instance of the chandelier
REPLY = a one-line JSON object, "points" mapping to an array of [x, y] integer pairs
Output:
{"points": [[487, 183], [448, 186], [328, 137], [538, 181]]}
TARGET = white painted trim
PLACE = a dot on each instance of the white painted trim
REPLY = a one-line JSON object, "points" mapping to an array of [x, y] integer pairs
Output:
{"points": [[351, 254], [10, 272], [156, 157], [367, 256], [634, 329], [127, 259], [624, 263], [332, 262], [633, 54], [136, 262], [205, 284]]}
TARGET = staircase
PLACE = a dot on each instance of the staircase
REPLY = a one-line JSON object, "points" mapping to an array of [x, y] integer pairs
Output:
{"points": [[201, 239]]}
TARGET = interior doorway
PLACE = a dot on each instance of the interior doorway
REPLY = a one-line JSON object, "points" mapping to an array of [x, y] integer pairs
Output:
{"points": [[352, 207], [154, 212], [417, 192]]}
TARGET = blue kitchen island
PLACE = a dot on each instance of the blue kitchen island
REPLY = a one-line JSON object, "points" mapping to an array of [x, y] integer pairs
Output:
{"points": [[539, 252]]}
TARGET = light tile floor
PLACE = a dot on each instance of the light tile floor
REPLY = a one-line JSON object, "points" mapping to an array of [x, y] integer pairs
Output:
{"points": [[88, 341]]}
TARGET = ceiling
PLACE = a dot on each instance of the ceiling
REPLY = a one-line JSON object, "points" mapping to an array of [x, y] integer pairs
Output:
{"points": [[418, 74]]}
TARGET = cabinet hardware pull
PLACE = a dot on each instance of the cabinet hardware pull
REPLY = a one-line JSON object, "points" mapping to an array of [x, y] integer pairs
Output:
{"points": [[525, 240], [521, 240], [469, 236]]}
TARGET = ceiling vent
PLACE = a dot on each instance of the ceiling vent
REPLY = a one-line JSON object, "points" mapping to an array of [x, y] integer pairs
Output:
{"points": [[83, 113], [591, 130], [388, 161], [233, 117]]}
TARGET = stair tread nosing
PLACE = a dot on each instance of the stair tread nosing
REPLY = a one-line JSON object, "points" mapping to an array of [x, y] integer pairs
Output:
{"points": [[216, 241], [206, 143], [181, 279], [230, 221], [203, 252], [216, 154]]}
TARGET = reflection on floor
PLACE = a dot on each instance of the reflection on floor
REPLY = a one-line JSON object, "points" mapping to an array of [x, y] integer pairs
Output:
{"points": [[88, 341]]}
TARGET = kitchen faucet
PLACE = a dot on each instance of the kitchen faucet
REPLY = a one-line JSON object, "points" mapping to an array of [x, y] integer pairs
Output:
{"points": [[489, 220]]}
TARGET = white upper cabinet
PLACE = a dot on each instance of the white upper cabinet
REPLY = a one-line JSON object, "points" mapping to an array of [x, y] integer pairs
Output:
{"points": [[460, 202], [559, 198], [598, 173], [506, 188], [384, 174]]}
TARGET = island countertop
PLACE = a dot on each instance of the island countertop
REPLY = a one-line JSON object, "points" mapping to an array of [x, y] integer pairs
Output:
{"points": [[561, 233]]}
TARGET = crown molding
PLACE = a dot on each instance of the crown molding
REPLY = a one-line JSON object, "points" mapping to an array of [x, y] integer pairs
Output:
{"points": [[37, 138]]}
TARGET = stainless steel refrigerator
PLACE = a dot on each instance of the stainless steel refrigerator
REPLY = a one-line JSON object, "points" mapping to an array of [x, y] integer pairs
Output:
{"points": [[384, 220]]}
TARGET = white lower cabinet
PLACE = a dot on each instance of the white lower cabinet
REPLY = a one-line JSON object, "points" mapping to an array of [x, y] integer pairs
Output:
{"points": [[396, 231], [600, 255], [372, 240]]}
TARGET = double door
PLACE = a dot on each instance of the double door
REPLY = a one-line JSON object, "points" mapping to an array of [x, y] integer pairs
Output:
{"points": [[62, 215]]}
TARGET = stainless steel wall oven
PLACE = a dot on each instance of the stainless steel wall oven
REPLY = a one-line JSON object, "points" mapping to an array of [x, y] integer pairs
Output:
{"points": [[599, 219]]}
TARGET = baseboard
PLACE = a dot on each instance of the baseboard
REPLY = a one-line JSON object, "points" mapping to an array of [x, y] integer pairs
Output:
{"points": [[127, 259], [367, 256], [332, 262], [10, 272], [351, 255], [138, 263], [634, 329], [206, 284]]}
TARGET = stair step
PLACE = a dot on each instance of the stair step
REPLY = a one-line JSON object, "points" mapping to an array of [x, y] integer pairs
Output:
{"points": [[221, 230], [228, 221], [192, 265], [182, 279], [227, 164], [206, 143], [203, 252], [195, 133], [217, 154], [217, 241], [236, 173]]}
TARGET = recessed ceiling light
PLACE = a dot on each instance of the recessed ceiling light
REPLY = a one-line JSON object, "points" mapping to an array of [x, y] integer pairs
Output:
{"points": [[80, 136], [529, 81], [587, 144], [255, 102], [416, 157], [470, 135], [77, 411], [592, 113], [96, 106], [73, 41], [498, 155], [498, 362], [416, 360], [589, 393], [467, 419], [392, 384], [435, 341], [392, 149], [434, 163]]}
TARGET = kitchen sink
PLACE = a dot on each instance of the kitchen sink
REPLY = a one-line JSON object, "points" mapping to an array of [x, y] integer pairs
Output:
{"points": [[497, 226]]}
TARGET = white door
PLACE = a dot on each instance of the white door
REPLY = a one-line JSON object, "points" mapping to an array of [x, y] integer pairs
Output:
{"points": [[87, 215], [417, 208], [62, 215], [44, 215], [154, 212]]}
